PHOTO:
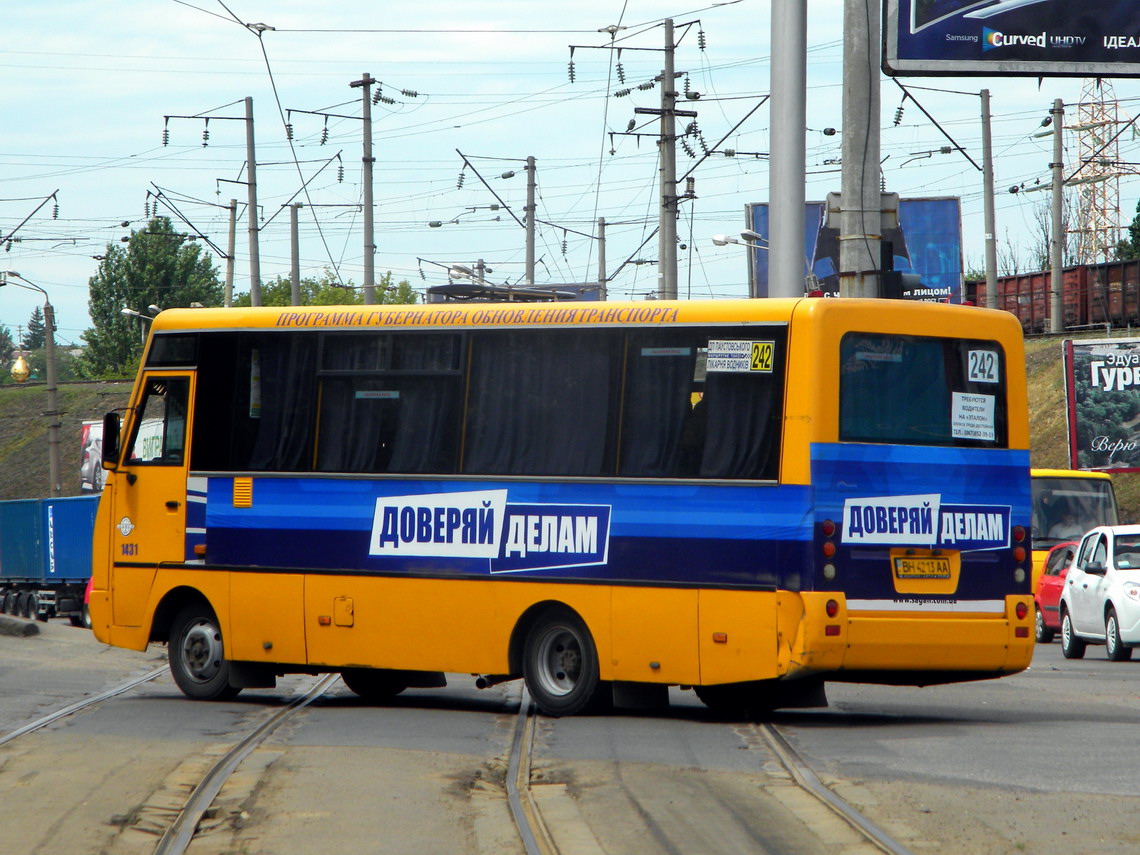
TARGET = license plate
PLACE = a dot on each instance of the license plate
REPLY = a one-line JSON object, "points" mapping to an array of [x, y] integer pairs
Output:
{"points": [[925, 567]]}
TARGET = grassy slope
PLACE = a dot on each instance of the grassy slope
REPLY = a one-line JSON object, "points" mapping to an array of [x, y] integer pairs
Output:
{"points": [[24, 447], [24, 433]]}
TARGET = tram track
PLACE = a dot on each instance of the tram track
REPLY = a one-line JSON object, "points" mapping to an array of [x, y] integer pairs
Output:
{"points": [[539, 839], [75, 707], [547, 823]]}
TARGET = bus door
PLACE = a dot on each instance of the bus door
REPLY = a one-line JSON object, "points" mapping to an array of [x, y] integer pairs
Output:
{"points": [[149, 497]]}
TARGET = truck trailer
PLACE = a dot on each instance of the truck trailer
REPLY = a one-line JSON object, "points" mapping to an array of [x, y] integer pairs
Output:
{"points": [[45, 557]]}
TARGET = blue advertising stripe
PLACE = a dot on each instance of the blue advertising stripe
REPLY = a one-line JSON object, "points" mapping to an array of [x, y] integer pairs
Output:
{"points": [[654, 560], [961, 475], [641, 510]]}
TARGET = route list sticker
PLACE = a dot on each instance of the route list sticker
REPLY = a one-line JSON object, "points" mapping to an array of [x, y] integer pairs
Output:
{"points": [[972, 416], [740, 357]]}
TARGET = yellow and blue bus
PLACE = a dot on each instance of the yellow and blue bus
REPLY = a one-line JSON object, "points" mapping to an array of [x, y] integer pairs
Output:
{"points": [[745, 497]]}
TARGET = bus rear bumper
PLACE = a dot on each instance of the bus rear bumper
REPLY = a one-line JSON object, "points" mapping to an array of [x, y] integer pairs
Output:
{"points": [[911, 648]]}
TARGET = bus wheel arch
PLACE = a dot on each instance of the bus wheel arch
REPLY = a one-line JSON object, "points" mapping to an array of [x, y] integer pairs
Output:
{"points": [[553, 648]]}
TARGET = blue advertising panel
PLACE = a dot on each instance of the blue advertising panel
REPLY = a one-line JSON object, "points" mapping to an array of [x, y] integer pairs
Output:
{"points": [[928, 242], [1089, 38]]}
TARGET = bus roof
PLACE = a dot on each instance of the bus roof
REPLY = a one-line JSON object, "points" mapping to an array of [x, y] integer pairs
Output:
{"points": [[954, 320], [1069, 473]]}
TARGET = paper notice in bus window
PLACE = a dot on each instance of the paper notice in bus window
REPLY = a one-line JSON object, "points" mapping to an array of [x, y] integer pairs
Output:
{"points": [[740, 356], [666, 351], [376, 395], [972, 416]]}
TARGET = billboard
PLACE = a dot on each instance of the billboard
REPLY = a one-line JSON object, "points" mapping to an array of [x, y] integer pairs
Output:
{"points": [[1075, 38], [1102, 393], [928, 241]]}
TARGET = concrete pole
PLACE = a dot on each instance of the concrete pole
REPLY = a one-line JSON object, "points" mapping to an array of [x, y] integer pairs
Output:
{"points": [[228, 300], [860, 222], [53, 400], [988, 199], [787, 161], [295, 256], [1057, 232], [667, 155], [365, 83], [251, 189], [530, 215], [602, 258]]}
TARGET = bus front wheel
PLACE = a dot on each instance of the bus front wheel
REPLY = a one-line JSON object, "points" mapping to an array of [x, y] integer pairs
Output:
{"points": [[560, 663], [196, 653]]}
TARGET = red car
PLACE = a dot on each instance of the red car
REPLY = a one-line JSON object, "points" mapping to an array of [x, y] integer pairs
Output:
{"points": [[1049, 587]]}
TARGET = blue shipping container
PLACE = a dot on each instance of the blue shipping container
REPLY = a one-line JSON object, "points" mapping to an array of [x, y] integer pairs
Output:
{"points": [[47, 540]]}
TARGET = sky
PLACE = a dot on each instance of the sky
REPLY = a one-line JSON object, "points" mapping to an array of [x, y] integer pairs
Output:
{"points": [[89, 90]]}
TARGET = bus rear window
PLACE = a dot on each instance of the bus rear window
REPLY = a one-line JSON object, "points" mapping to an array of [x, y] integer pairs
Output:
{"points": [[917, 390]]}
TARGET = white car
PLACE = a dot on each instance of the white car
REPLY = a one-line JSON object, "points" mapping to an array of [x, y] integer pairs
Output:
{"points": [[1100, 603]]}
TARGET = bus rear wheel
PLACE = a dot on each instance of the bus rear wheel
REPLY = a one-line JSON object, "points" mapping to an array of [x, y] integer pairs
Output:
{"points": [[560, 664], [374, 684], [197, 660]]}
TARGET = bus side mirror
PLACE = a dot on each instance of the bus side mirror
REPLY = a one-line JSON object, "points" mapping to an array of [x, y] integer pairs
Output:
{"points": [[112, 428]]}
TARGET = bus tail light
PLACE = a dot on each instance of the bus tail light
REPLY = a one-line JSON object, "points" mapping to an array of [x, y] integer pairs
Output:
{"points": [[828, 549], [832, 608], [828, 528], [1019, 554], [1019, 533], [1021, 610]]}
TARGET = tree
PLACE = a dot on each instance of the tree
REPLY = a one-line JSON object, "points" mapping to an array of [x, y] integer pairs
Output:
{"points": [[1130, 246], [326, 291], [158, 267], [7, 343], [36, 335]]}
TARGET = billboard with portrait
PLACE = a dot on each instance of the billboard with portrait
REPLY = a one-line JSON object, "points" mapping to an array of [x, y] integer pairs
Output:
{"points": [[1078, 38], [1102, 391], [927, 241]]}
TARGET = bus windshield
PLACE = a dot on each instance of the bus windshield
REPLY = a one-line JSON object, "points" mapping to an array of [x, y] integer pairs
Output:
{"points": [[1064, 508]]}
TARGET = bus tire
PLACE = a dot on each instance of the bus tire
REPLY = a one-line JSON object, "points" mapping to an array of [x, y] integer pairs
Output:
{"points": [[560, 663], [374, 684], [1115, 648], [196, 652], [1071, 646]]}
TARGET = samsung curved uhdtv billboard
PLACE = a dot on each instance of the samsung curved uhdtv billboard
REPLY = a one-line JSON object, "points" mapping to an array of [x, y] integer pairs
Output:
{"points": [[1079, 38]]}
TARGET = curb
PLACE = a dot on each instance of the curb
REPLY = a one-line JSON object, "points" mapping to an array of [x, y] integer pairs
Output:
{"points": [[18, 627]]}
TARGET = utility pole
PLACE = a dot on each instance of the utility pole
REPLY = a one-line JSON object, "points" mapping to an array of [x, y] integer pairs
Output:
{"points": [[667, 155], [295, 253], [365, 84], [228, 299], [602, 258], [988, 199], [787, 162], [251, 189], [530, 215], [53, 399], [860, 221], [1057, 232]]}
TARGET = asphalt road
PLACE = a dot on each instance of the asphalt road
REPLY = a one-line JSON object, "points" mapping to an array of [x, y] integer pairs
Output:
{"points": [[1041, 762]]}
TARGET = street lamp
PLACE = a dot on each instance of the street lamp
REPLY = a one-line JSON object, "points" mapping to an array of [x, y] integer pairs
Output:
{"points": [[755, 240], [152, 309], [52, 391]]}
